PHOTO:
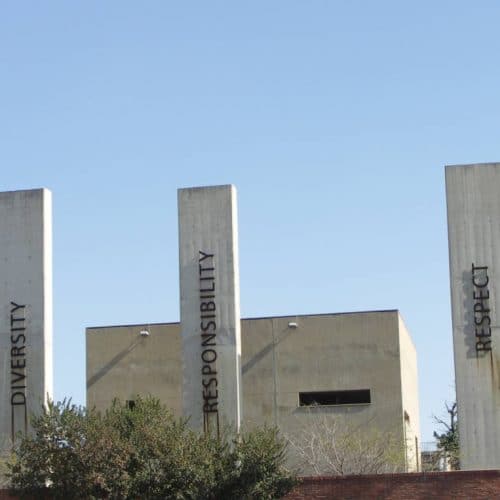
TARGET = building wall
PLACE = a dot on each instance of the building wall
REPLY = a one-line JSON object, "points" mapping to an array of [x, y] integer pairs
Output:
{"points": [[324, 352], [121, 364], [409, 390], [473, 202], [330, 352]]}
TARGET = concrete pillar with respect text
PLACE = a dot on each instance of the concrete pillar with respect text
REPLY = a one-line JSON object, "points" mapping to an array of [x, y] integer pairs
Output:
{"points": [[473, 202]]}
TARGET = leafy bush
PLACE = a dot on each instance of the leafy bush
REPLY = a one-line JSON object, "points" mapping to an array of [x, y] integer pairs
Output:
{"points": [[144, 452]]}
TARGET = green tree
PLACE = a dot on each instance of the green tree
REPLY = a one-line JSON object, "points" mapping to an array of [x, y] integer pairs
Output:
{"points": [[447, 441], [144, 452], [3, 472], [255, 468], [74, 452]]}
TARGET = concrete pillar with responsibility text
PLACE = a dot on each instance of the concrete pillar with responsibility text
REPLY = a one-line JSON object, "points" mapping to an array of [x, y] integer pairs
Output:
{"points": [[210, 307]]}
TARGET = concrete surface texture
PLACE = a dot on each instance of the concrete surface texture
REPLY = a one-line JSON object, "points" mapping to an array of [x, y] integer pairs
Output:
{"points": [[473, 202], [210, 306], [25, 308], [281, 358]]}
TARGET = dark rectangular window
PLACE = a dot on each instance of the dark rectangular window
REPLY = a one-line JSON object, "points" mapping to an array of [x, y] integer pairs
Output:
{"points": [[327, 398]]}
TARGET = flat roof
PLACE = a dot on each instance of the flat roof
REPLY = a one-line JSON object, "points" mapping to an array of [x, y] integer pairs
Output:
{"points": [[380, 311]]}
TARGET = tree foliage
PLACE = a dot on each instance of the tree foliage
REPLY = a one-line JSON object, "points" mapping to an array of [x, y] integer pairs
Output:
{"points": [[144, 452], [327, 446], [3, 472], [448, 441]]}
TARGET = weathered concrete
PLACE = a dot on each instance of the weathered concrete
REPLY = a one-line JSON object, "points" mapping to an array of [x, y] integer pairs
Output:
{"points": [[363, 350], [122, 362], [210, 306], [25, 307], [473, 200], [409, 395]]}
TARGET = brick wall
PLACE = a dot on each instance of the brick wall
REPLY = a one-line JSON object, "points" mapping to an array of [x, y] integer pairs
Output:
{"points": [[4, 495], [430, 485], [425, 486]]}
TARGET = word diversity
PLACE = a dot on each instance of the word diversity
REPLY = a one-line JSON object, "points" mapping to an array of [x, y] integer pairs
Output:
{"points": [[18, 364]]}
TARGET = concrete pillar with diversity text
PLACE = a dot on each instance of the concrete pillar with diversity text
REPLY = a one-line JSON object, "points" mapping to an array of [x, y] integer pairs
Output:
{"points": [[25, 308]]}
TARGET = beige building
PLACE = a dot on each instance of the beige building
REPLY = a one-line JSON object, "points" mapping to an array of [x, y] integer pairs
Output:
{"points": [[356, 368]]}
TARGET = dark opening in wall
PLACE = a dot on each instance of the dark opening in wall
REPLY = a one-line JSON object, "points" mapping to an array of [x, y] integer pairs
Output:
{"points": [[130, 404], [327, 398]]}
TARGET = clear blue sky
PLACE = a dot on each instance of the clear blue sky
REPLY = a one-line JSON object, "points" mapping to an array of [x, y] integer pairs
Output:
{"points": [[334, 119]]}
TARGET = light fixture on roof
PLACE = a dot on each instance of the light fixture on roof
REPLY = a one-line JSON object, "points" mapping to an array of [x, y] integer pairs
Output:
{"points": [[292, 324], [144, 333]]}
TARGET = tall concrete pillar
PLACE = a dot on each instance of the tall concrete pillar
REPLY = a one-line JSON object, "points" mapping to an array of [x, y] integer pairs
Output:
{"points": [[210, 306], [473, 200], [25, 308]]}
